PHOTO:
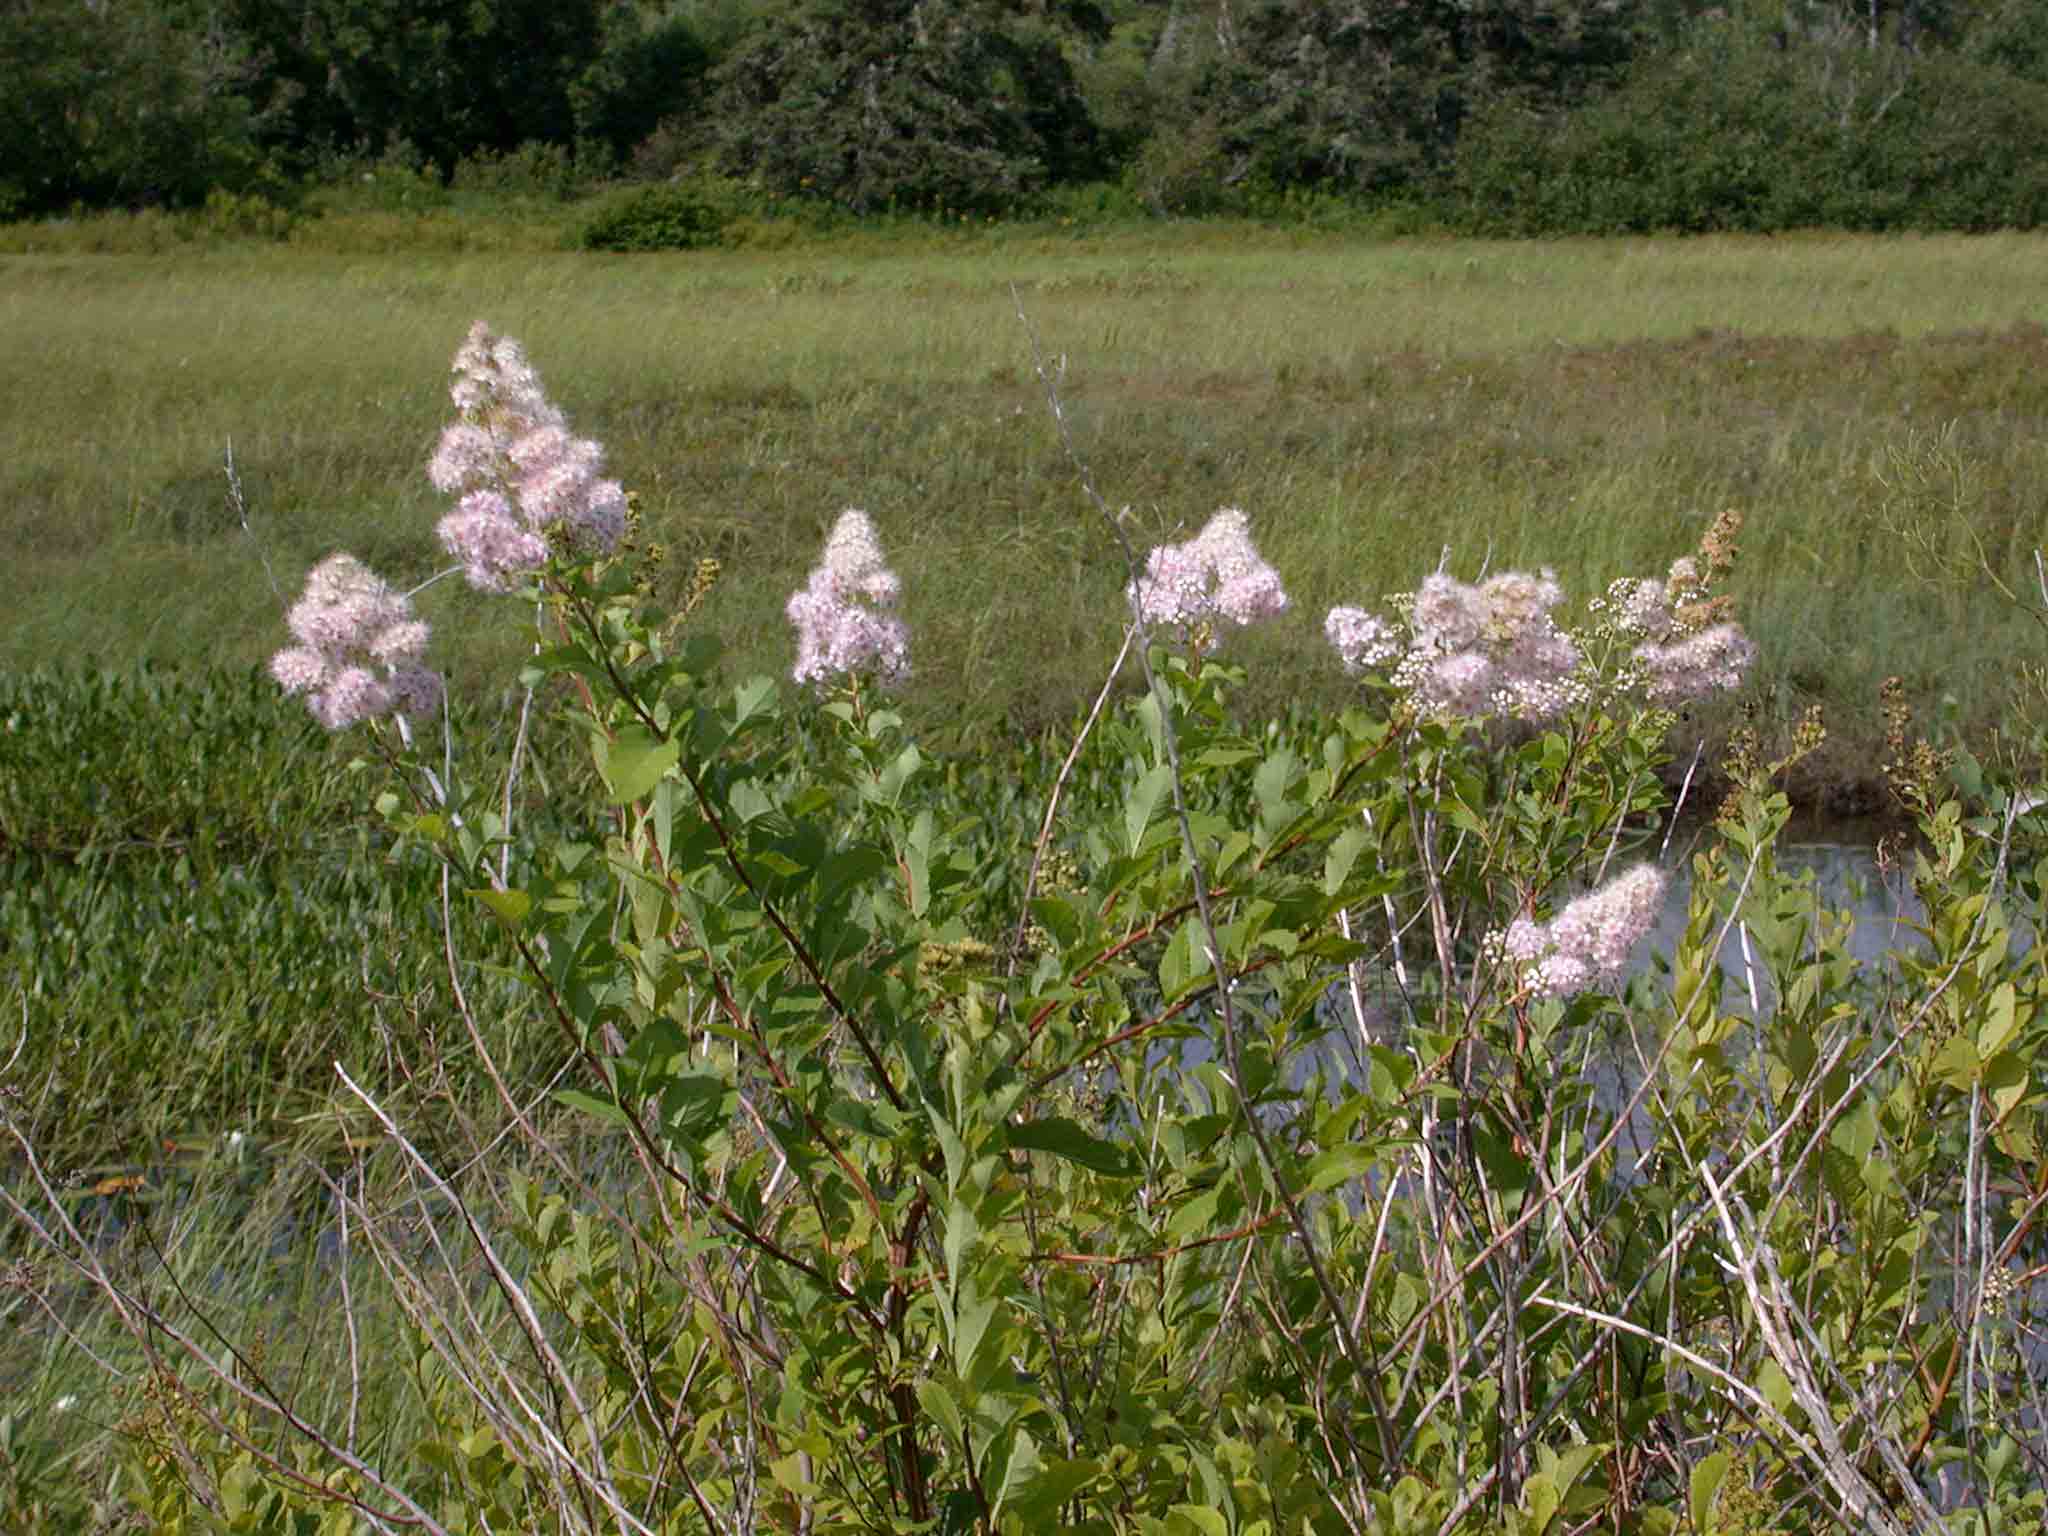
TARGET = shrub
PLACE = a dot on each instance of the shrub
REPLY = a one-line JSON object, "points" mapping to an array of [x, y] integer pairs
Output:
{"points": [[679, 216], [532, 170], [883, 104], [1731, 132]]}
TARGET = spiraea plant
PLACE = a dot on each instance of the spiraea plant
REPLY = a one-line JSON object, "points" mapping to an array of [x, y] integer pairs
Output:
{"points": [[1305, 1144]]}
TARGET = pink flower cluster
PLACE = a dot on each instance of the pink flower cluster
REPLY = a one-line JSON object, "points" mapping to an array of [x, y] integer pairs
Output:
{"points": [[1684, 655], [519, 472], [1590, 940], [359, 648], [842, 626], [1363, 641], [1472, 650], [1215, 576], [1711, 661]]}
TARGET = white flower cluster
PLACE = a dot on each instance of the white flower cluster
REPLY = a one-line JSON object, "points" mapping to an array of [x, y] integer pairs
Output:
{"points": [[1485, 649], [517, 469], [359, 648], [842, 626], [1683, 654], [1589, 942], [1216, 575]]}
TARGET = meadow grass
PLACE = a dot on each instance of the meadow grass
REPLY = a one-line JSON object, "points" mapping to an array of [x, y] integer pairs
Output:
{"points": [[1586, 405]]}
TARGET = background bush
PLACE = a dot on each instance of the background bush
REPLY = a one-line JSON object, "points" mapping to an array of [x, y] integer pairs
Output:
{"points": [[678, 216], [1742, 131]]}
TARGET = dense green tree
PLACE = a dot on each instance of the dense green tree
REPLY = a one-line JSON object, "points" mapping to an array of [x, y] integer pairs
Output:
{"points": [[646, 71], [2012, 37], [1369, 95], [1739, 131], [962, 104], [118, 103], [447, 77]]}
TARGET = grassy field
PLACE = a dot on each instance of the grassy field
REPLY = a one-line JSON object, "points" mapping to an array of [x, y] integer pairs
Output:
{"points": [[1582, 405]]}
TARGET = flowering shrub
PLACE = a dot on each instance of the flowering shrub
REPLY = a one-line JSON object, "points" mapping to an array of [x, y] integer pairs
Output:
{"points": [[1254, 1156]]}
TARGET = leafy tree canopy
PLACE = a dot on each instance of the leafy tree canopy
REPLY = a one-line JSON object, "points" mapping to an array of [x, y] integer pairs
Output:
{"points": [[962, 104]]}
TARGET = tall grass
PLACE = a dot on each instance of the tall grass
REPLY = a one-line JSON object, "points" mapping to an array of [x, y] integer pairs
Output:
{"points": [[1576, 403]]}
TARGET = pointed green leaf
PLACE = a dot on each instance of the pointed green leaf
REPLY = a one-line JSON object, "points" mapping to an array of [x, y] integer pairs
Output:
{"points": [[590, 1104], [1344, 852], [917, 859], [1063, 1138], [1338, 1165], [635, 761], [511, 907], [1142, 803], [1707, 1477]]}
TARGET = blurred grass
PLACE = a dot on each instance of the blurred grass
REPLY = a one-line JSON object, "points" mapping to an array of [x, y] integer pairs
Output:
{"points": [[1585, 405]]}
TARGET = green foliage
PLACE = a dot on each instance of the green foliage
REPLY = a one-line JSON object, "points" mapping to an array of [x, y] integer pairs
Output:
{"points": [[1735, 131], [180, 907], [1306, 93], [449, 78], [536, 170], [966, 105], [645, 73], [674, 216], [2012, 39], [118, 104]]}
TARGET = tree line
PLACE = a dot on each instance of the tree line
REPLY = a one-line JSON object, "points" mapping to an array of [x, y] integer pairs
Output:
{"points": [[1517, 116]]}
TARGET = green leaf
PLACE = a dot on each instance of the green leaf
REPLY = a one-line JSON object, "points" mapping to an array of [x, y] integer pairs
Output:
{"points": [[1063, 1138], [1193, 1216], [1142, 803], [511, 907], [695, 1104], [788, 1472], [1338, 1165], [1775, 1386], [963, 1231], [1855, 1134], [1035, 1488], [662, 818], [1343, 854], [1270, 783], [970, 1325], [1197, 1520], [635, 762], [2002, 1023], [1707, 1477], [590, 1104], [938, 1403], [750, 697], [917, 858]]}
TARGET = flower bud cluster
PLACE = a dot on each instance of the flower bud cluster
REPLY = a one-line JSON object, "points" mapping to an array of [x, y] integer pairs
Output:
{"points": [[1589, 942], [1216, 575], [841, 618], [1485, 649], [518, 471], [359, 648]]}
